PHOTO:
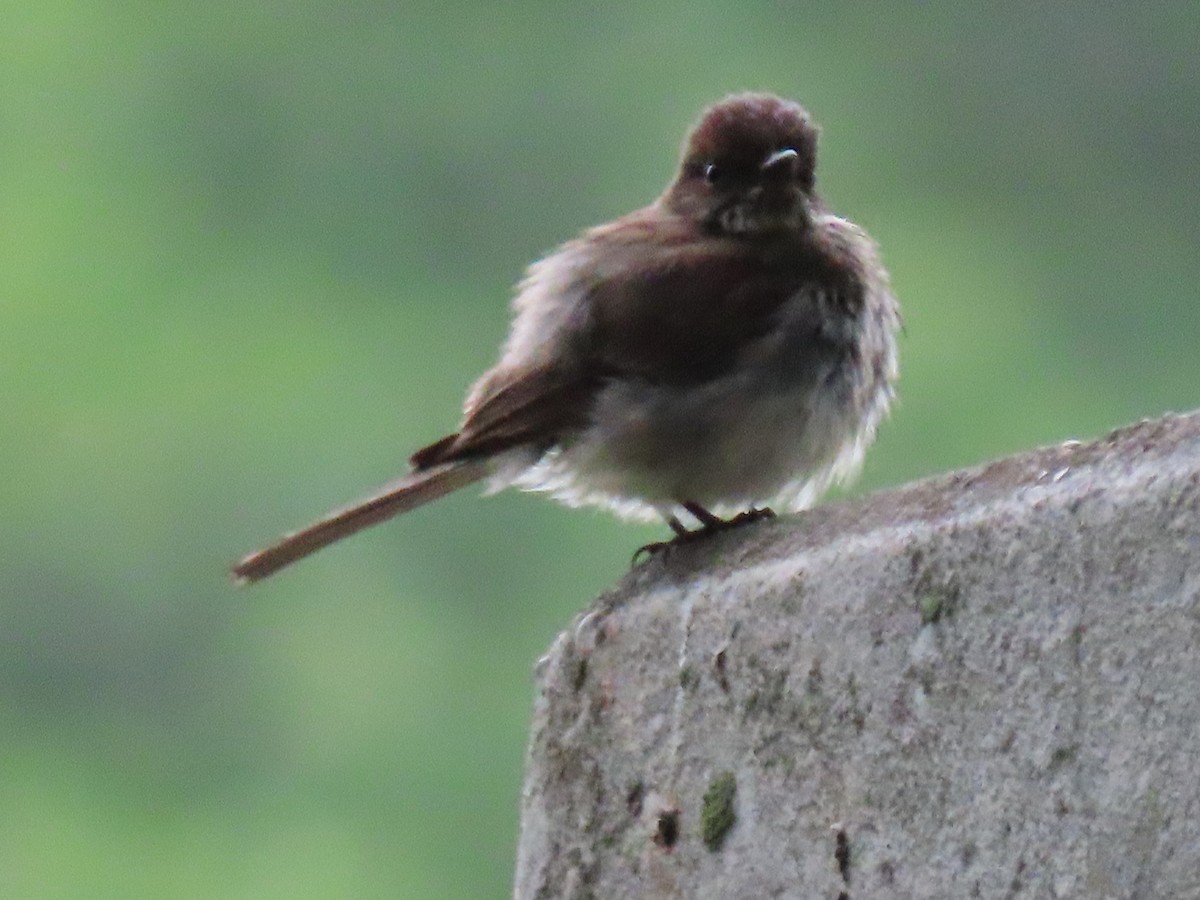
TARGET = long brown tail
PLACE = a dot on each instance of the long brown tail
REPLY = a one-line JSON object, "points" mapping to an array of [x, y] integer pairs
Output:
{"points": [[398, 497]]}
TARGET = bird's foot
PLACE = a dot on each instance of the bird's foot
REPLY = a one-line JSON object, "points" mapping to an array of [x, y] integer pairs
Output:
{"points": [[753, 514], [709, 524]]}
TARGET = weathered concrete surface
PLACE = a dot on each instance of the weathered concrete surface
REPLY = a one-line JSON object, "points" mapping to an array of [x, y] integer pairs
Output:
{"points": [[983, 685]]}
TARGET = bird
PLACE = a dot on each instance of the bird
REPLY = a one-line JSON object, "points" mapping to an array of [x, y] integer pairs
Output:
{"points": [[729, 349]]}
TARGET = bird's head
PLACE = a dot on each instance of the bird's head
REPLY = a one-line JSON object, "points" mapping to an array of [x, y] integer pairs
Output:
{"points": [[747, 167]]}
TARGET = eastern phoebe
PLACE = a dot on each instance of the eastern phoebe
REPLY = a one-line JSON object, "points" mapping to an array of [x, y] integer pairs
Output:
{"points": [[729, 345]]}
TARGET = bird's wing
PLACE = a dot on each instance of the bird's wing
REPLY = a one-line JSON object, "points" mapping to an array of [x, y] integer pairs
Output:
{"points": [[516, 408], [677, 312]]}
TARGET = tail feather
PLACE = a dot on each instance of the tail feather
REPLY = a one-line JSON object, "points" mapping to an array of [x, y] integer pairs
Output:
{"points": [[400, 496]]}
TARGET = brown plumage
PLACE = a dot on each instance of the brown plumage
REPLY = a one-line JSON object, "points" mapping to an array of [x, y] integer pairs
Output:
{"points": [[731, 344]]}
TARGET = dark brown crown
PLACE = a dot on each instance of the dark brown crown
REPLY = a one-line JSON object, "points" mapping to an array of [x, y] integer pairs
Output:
{"points": [[743, 129]]}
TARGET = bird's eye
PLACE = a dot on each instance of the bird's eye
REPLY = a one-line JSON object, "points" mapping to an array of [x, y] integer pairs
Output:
{"points": [[713, 173]]}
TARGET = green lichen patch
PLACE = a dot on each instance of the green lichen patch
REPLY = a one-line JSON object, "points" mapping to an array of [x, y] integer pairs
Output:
{"points": [[937, 596], [1063, 755], [932, 607], [688, 678], [717, 814]]}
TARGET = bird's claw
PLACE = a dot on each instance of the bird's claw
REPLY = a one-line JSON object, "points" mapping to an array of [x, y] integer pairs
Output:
{"points": [[711, 525], [751, 515]]}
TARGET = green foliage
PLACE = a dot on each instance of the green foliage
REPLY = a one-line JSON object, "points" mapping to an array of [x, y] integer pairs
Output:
{"points": [[253, 255]]}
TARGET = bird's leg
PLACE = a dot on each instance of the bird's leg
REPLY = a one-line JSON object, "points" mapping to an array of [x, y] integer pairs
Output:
{"points": [[676, 526], [709, 524]]}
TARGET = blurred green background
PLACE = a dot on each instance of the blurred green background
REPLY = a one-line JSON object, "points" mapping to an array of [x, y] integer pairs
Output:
{"points": [[253, 256]]}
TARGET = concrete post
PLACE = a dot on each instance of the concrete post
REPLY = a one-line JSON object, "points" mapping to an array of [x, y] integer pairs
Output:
{"points": [[982, 685]]}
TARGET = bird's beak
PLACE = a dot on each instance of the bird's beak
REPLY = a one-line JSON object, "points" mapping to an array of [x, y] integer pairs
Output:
{"points": [[780, 162]]}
